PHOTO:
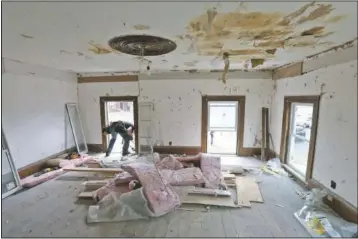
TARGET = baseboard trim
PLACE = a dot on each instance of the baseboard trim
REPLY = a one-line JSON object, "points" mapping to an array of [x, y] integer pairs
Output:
{"points": [[188, 150], [192, 150], [337, 203], [95, 148], [38, 165]]}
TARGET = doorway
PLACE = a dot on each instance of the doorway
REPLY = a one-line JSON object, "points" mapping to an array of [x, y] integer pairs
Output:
{"points": [[119, 108], [10, 181], [222, 124], [300, 117]]}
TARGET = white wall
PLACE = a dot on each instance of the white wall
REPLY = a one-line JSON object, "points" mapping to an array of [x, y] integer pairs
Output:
{"points": [[33, 110], [336, 143], [177, 104]]}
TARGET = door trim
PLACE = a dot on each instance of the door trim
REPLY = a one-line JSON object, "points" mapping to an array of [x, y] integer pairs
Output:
{"points": [[241, 120], [288, 100], [102, 102]]}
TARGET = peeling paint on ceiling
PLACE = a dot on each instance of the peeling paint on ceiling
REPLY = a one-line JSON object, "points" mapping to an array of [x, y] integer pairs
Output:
{"points": [[259, 35]]}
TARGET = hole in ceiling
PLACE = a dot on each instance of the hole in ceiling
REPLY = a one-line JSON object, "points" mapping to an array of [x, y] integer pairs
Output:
{"points": [[142, 45]]}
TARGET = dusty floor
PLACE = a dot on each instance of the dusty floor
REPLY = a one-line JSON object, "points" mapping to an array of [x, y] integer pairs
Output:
{"points": [[52, 210]]}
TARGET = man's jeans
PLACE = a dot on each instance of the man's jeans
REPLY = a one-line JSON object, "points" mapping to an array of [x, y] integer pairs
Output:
{"points": [[126, 138]]}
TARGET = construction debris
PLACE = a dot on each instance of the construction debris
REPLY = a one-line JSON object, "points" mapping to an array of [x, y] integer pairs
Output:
{"points": [[153, 186], [273, 167], [320, 220]]}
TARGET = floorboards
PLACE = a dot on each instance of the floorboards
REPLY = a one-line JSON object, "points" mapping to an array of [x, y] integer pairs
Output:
{"points": [[52, 210]]}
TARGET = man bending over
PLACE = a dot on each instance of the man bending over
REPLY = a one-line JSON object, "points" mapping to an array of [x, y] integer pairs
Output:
{"points": [[125, 130]]}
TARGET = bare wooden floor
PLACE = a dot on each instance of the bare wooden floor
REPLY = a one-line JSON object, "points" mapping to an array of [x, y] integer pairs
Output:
{"points": [[52, 210]]}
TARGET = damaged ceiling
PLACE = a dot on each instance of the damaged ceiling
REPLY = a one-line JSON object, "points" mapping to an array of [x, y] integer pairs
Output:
{"points": [[262, 35]]}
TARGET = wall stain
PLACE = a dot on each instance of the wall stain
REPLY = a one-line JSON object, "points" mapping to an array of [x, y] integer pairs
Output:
{"points": [[65, 52], [323, 85], [313, 31], [80, 53], [321, 11], [336, 18], [141, 27], [107, 94], [94, 99], [257, 141], [256, 62], [27, 36], [98, 49], [269, 30], [31, 73]]}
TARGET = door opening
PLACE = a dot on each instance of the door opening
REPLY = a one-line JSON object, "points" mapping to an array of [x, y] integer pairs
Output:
{"points": [[222, 127], [299, 133], [115, 109], [299, 136]]}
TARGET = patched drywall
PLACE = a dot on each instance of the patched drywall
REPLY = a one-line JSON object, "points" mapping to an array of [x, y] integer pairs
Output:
{"points": [[177, 105], [33, 110], [336, 144]]}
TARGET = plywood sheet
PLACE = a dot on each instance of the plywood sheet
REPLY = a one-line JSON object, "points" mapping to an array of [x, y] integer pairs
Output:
{"points": [[210, 192], [208, 200], [247, 191]]}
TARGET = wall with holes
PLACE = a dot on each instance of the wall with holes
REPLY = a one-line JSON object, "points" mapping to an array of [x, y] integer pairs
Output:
{"points": [[177, 104], [33, 110], [336, 143]]}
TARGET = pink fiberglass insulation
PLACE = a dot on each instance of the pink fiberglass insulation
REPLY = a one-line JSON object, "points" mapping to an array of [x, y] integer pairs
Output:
{"points": [[32, 181], [118, 184], [169, 162], [211, 167], [183, 177], [161, 196]]}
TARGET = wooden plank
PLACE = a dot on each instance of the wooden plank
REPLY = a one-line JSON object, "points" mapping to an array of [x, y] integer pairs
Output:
{"points": [[96, 183], [94, 170], [288, 71], [208, 200], [102, 79], [85, 195], [267, 133], [247, 191], [263, 134], [209, 191], [228, 175]]}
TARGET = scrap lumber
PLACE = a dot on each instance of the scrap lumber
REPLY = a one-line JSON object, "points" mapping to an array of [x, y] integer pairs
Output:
{"points": [[228, 175], [85, 195], [210, 192], [247, 191], [208, 200], [265, 139], [263, 133], [267, 134], [94, 170], [94, 184]]}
